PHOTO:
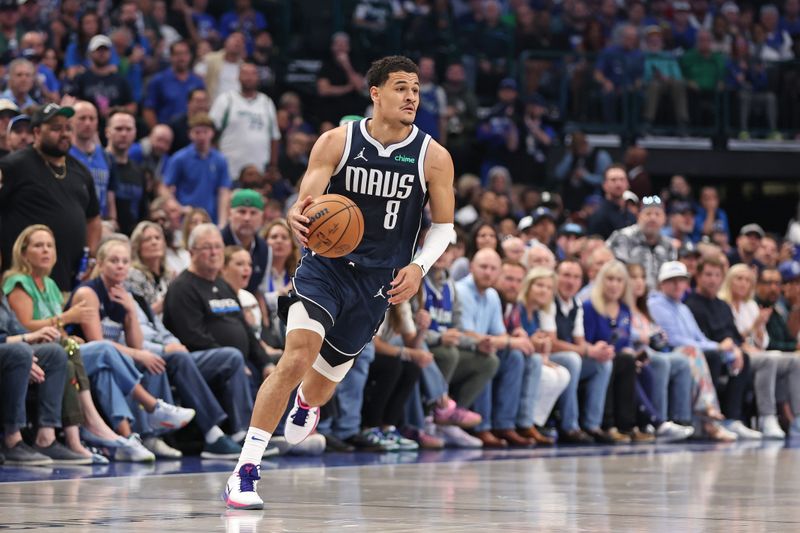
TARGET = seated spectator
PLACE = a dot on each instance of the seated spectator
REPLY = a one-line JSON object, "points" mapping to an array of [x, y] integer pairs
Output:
{"points": [[704, 71], [643, 243], [198, 174], [611, 215], [749, 81], [540, 390], [662, 74], [737, 291], [392, 376], [619, 71], [116, 317], [681, 223], [591, 265], [709, 214], [483, 236], [592, 367], [790, 273], [193, 218], [482, 320], [246, 218], [21, 79], [44, 365], [166, 212], [285, 258], [197, 101], [778, 39], [767, 252], [678, 322], [670, 376], [37, 303], [571, 238], [203, 312], [581, 171], [607, 317], [149, 276], [747, 244], [539, 255]]}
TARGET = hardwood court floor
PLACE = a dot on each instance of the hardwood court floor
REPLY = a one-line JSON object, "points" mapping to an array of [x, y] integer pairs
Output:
{"points": [[673, 488]]}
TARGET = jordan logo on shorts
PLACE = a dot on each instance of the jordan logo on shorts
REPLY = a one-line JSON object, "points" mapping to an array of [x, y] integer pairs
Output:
{"points": [[361, 156], [380, 294]]}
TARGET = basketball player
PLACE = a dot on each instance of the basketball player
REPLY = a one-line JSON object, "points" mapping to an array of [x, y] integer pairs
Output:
{"points": [[389, 169]]}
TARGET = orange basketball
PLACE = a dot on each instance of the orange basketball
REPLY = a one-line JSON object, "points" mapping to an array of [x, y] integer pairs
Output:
{"points": [[336, 227]]}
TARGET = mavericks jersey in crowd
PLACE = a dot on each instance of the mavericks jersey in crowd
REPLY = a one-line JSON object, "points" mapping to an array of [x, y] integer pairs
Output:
{"points": [[388, 185]]}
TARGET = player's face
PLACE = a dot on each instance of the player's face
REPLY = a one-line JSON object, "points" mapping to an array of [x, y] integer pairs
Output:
{"points": [[398, 98]]}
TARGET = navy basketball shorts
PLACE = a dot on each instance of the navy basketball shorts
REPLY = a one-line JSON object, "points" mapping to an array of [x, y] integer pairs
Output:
{"points": [[349, 302]]}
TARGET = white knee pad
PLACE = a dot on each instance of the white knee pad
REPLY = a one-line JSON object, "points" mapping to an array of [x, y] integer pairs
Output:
{"points": [[298, 319], [333, 373]]}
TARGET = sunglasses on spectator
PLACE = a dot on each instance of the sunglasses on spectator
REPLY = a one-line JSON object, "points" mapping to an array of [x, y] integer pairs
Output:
{"points": [[651, 201]]}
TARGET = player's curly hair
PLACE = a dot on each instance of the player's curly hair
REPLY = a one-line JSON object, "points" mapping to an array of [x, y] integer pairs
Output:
{"points": [[379, 72]]}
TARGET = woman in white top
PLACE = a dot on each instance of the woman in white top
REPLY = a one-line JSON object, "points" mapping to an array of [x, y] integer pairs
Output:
{"points": [[771, 369], [285, 255]]}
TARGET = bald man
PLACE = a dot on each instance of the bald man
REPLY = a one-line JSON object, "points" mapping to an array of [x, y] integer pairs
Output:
{"points": [[152, 152], [482, 320], [87, 149]]}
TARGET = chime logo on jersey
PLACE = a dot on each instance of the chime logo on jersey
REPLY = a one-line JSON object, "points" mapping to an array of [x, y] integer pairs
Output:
{"points": [[375, 182]]}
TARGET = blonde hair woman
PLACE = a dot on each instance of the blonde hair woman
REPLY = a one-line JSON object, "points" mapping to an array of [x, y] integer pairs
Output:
{"points": [[149, 277], [543, 381], [738, 290], [285, 256]]}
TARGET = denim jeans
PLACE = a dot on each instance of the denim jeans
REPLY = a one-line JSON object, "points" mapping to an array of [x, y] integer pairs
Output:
{"points": [[431, 387], [349, 398], [113, 376], [15, 366], [595, 377], [498, 402], [672, 386], [531, 376], [223, 370]]}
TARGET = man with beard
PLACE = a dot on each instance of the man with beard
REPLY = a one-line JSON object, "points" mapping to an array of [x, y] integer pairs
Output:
{"points": [[128, 181], [101, 84], [41, 184], [167, 92], [88, 151]]}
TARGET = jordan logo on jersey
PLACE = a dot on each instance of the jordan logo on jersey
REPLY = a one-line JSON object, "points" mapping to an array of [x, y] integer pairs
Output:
{"points": [[360, 156], [380, 294]]}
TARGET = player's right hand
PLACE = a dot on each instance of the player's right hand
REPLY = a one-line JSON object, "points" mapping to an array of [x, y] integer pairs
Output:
{"points": [[298, 222]]}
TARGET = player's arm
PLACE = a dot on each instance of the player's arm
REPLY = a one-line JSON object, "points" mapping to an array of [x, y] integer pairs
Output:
{"points": [[325, 156], [439, 173]]}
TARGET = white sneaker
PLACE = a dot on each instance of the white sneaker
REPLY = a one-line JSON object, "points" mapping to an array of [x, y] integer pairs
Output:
{"points": [[770, 428], [161, 449], [455, 437], [241, 490], [671, 432], [301, 422], [133, 451], [740, 430], [169, 416]]}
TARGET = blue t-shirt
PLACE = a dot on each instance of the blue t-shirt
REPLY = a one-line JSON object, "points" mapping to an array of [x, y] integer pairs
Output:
{"points": [[73, 57], [597, 327], [167, 95], [97, 163], [249, 26], [48, 78], [197, 179], [205, 24]]}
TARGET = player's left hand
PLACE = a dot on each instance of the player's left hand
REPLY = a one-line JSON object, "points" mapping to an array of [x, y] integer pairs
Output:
{"points": [[405, 284]]}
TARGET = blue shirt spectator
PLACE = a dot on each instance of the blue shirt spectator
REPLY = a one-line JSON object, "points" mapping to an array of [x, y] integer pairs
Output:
{"points": [[97, 163], [622, 66], [678, 322], [168, 91], [482, 313], [616, 332], [244, 19]]}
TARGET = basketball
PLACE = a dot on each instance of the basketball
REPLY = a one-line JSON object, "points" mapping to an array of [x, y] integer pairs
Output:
{"points": [[336, 226]]}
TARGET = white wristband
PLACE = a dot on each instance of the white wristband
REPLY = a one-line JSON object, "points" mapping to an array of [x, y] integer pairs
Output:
{"points": [[438, 238]]}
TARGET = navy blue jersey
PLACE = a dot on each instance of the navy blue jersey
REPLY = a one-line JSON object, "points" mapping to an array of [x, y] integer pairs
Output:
{"points": [[388, 185]]}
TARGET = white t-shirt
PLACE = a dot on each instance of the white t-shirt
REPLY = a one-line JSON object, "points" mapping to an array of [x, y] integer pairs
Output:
{"points": [[228, 79], [251, 125]]}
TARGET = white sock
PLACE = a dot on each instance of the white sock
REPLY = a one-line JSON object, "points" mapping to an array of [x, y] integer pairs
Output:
{"points": [[213, 434], [253, 448]]}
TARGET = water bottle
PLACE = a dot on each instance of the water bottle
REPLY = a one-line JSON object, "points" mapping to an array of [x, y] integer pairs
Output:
{"points": [[84, 265]]}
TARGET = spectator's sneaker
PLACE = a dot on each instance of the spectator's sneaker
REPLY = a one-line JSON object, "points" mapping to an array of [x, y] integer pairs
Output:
{"points": [[770, 428], [301, 422], [161, 449], [672, 432], [240, 491], [740, 430], [454, 415], [372, 440], [222, 448], [455, 437], [62, 455], [133, 451], [403, 444], [170, 416], [425, 440], [23, 455]]}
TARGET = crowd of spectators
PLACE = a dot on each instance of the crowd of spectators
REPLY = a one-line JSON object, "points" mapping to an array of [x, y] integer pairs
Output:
{"points": [[150, 151]]}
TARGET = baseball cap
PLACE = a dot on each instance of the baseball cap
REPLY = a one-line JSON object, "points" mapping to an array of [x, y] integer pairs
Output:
{"points": [[680, 206], [8, 105], [790, 271], [46, 113], [571, 228], [17, 120], [525, 223], [672, 269], [689, 249], [508, 83], [752, 228], [541, 213], [247, 198], [99, 41], [630, 196]]}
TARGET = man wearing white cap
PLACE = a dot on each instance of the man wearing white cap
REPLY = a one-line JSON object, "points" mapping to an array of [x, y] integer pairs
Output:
{"points": [[101, 84]]}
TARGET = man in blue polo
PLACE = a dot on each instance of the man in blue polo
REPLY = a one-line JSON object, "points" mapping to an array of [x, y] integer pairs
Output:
{"points": [[198, 174], [168, 91]]}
